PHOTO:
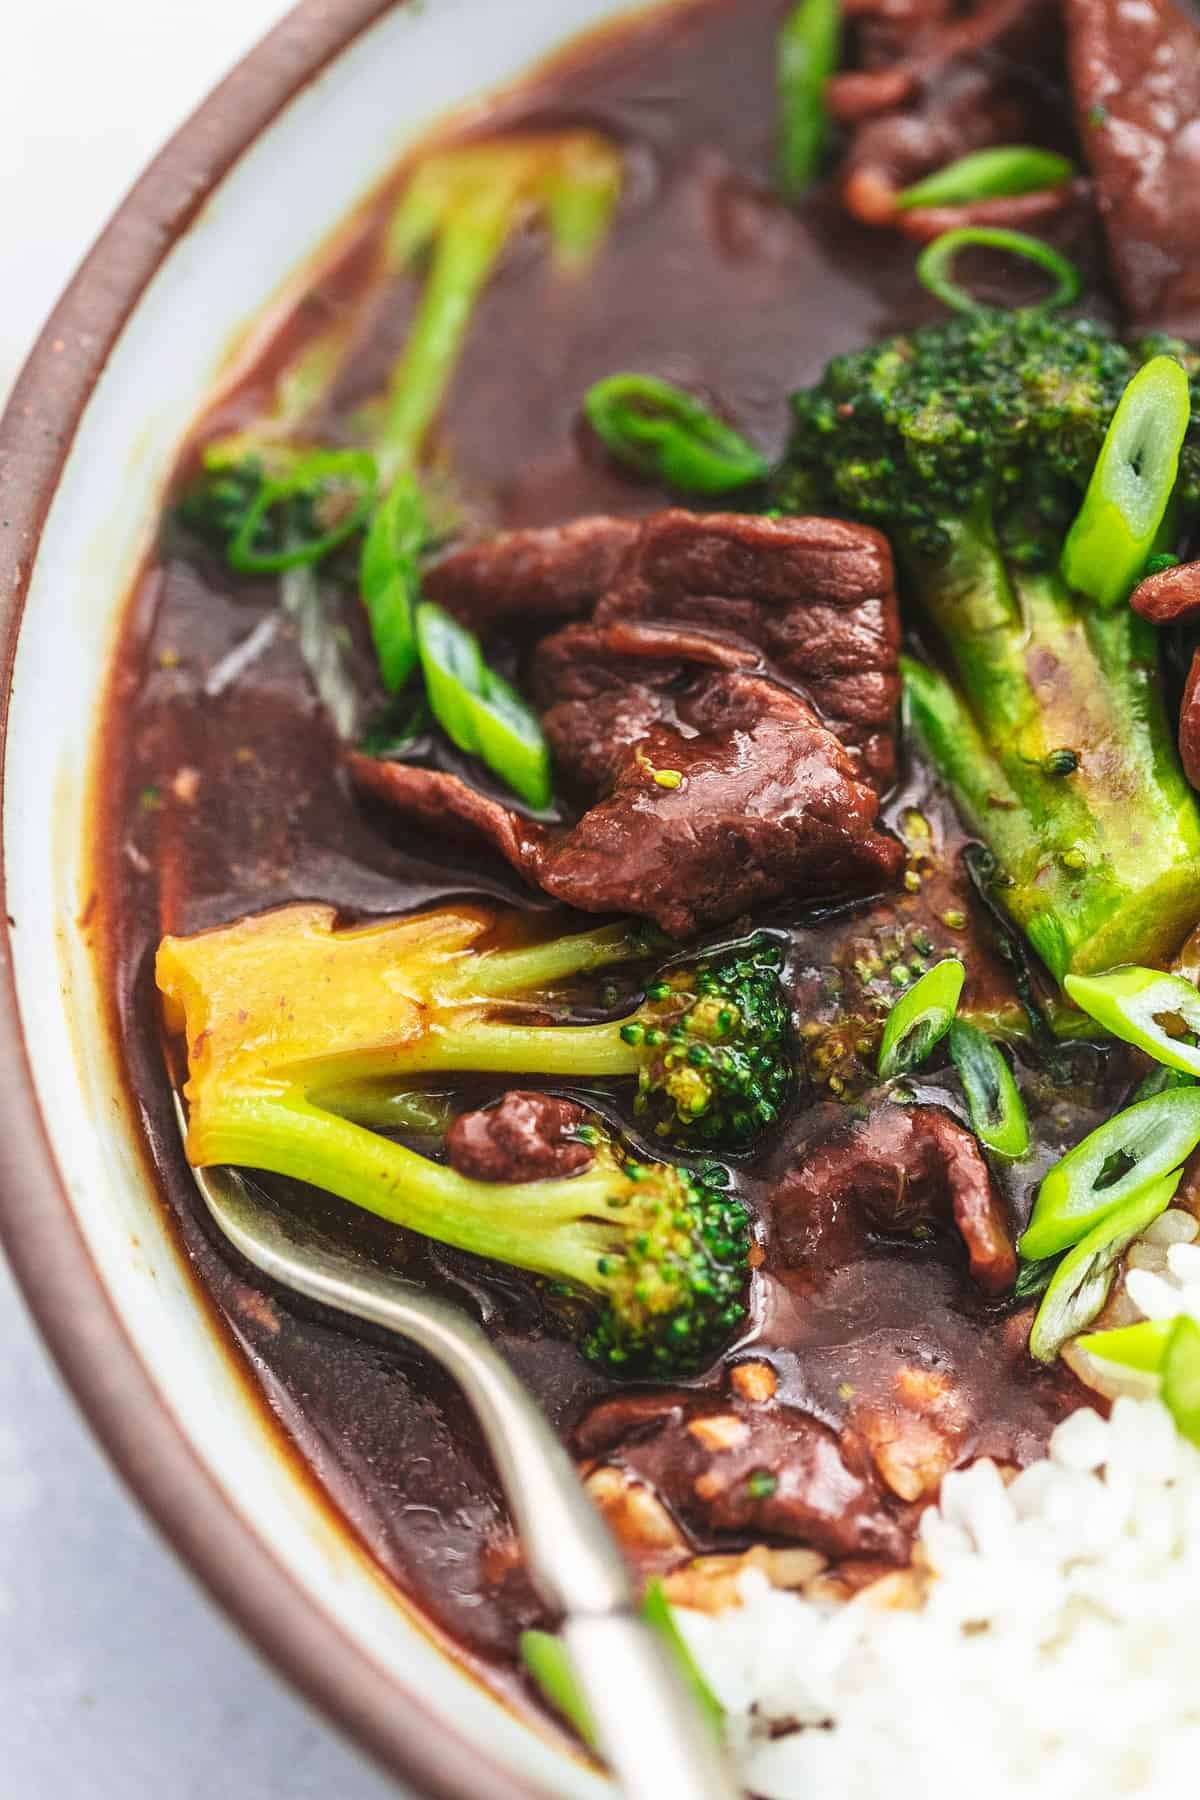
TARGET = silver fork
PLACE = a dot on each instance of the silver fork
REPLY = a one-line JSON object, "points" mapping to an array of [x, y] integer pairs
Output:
{"points": [[647, 1721]]}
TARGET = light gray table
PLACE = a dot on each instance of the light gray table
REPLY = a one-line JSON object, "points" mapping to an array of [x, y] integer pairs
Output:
{"points": [[118, 1679]]}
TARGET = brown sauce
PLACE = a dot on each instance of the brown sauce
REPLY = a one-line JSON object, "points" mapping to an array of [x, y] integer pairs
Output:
{"points": [[228, 802]]}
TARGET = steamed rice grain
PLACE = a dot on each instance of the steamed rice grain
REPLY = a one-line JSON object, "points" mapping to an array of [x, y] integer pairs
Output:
{"points": [[1057, 1652]]}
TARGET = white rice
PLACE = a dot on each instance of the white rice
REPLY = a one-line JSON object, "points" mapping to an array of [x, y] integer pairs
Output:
{"points": [[1056, 1655]]}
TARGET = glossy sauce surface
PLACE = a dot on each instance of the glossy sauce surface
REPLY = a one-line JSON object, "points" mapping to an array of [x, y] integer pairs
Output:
{"points": [[226, 797]]}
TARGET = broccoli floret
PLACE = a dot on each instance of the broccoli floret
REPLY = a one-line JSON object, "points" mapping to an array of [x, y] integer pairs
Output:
{"points": [[362, 1011], [649, 1262], [289, 1026], [971, 444]]}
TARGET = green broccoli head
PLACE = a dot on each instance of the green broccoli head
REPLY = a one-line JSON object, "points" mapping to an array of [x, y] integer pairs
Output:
{"points": [[714, 1040], [972, 444], [1004, 410], [217, 502], [272, 507], [672, 1265]]}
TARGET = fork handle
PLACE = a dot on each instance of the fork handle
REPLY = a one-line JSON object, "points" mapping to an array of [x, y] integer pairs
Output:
{"points": [[650, 1730]]}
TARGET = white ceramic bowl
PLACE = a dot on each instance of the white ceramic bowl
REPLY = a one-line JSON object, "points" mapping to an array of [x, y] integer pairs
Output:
{"points": [[210, 236]]}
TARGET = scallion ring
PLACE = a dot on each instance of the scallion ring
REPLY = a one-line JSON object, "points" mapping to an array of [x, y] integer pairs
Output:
{"points": [[511, 741], [808, 51], [390, 578], [921, 1017], [1127, 500], [298, 519], [998, 1116], [1005, 171], [935, 261], [1132, 1003], [1181, 1376], [659, 431], [478, 710], [1140, 1347], [1084, 1277], [548, 1661], [1118, 1161], [452, 664]]}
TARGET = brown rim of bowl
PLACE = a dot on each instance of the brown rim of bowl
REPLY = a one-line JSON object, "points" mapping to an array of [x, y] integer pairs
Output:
{"points": [[37, 1225]]}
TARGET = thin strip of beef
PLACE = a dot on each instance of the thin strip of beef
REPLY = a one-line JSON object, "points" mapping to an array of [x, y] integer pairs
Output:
{"points": [[1135, 71], [732, 1467], [556, 573], [1189, 724], [759, 800], [602, 688], [816, 596], [765, 804], [899, 1170], [524, 1137], [1172, 597]]}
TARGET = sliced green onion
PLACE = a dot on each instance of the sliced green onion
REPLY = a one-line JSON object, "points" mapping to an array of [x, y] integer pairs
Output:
{"points": [[656, 1610], [934, 264], [808, 51], [545, 1656], [1126, 503], [397, 731], [1034, 1278], [299, 518], [478, 710], [1160, 1081], [1140, 1347], [1084, 1277], [659, 431], [1115, 1163], [998, 1116], [390, 577], [1132, 1002], [997, 174], [921, 1017], [452, 664], [511, 740], [1181, 1377]]}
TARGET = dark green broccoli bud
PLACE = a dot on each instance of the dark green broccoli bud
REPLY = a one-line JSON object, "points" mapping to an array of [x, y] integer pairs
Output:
{"points": [[715, 1038], [217, 502], [971, 443], [673, 1270]]}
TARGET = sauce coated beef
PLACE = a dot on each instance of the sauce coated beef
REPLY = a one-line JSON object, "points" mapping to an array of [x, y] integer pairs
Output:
{"points": [[1135, 71], [871, 1407], [1172, 597], [524, 1137], [902, 1170], [556, 573], [934, 85], [709, 780], [750, 1468]]}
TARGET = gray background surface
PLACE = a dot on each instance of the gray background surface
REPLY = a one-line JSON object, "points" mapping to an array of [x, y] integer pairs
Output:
{"points": [[118, 1680]]}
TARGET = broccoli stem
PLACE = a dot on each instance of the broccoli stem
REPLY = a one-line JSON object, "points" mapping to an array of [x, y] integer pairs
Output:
{"points": [[1060, 756], [487, 1046], [535, 967], [559, 1228], [468, 248]]}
